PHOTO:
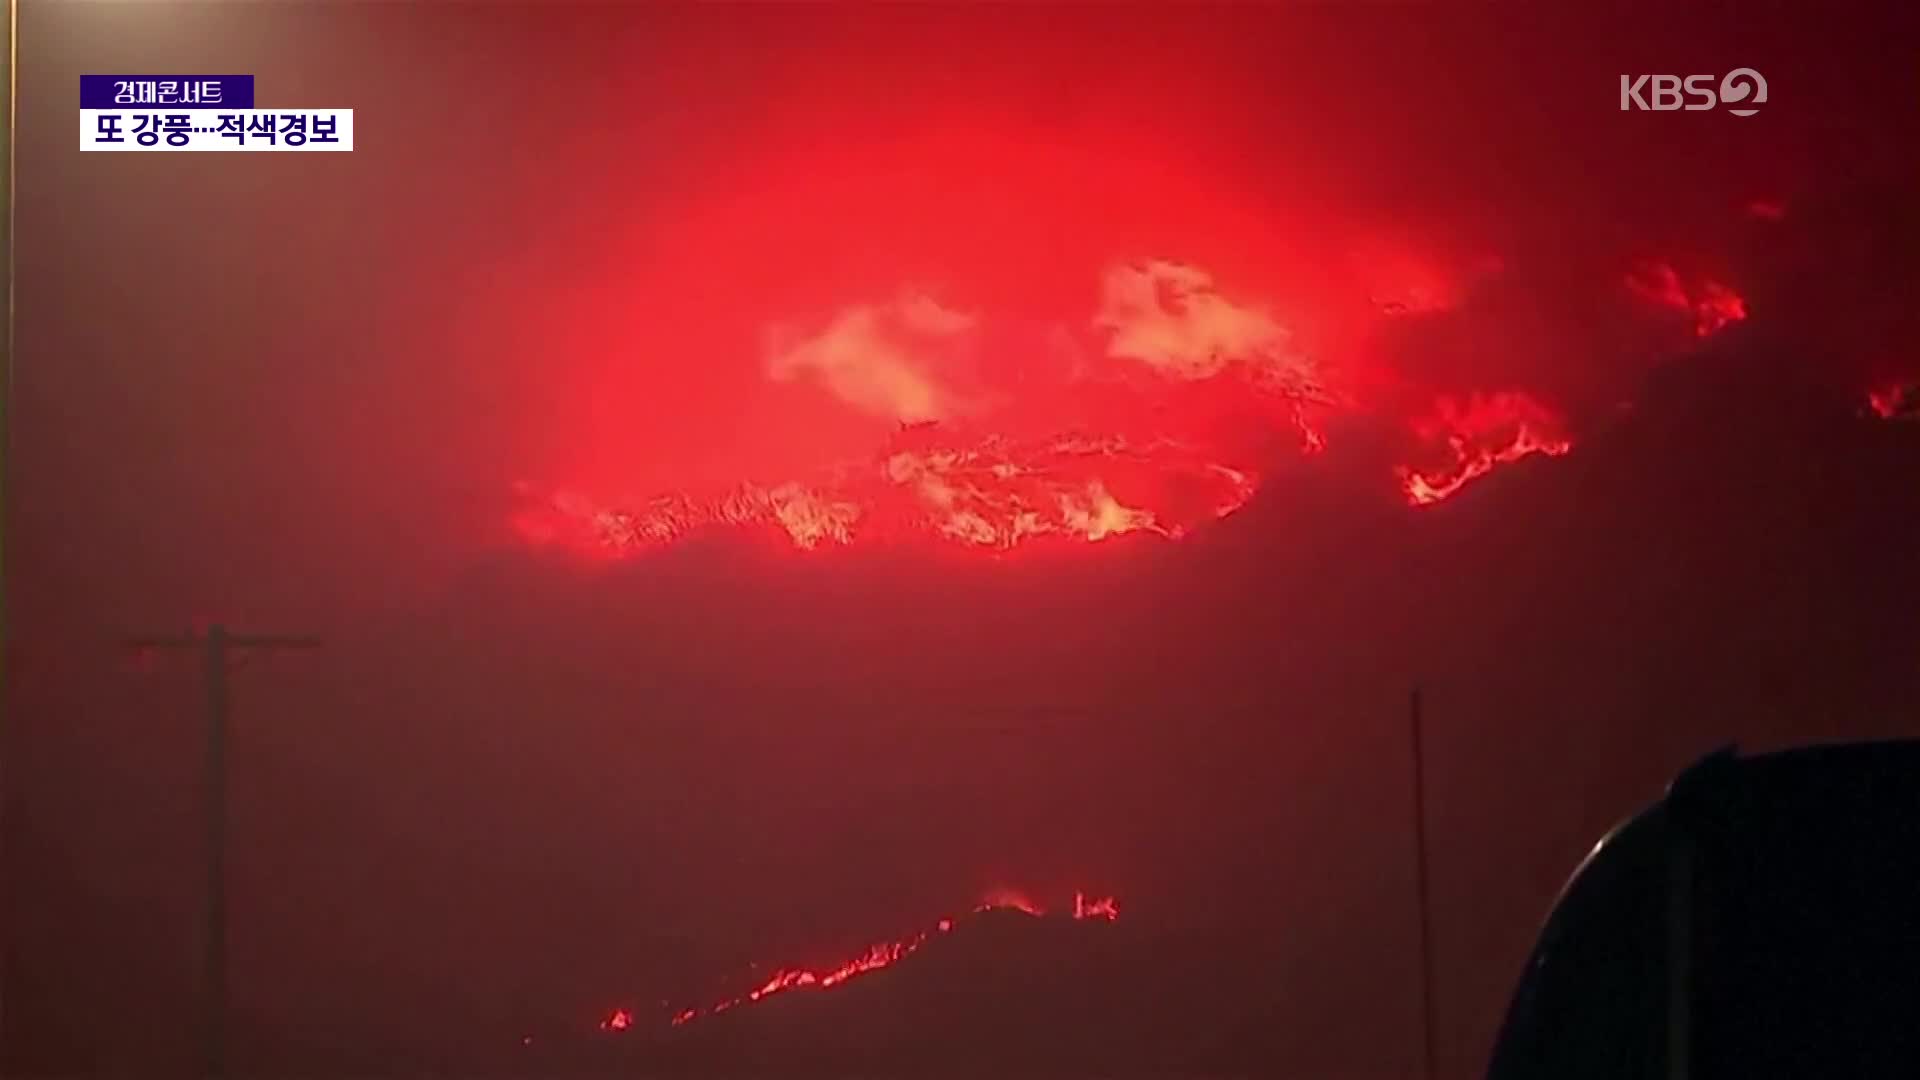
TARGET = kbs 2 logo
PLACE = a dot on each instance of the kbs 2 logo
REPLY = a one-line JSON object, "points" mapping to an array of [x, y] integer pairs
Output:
{"points": [[1667, 93]]}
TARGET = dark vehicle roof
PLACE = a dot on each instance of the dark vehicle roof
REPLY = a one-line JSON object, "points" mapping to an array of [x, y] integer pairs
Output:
{"points": [[1819, 763], [1801, 944]]}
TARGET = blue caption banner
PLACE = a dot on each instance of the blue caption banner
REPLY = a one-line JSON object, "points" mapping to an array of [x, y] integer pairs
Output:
{"points": [[228, 92]]}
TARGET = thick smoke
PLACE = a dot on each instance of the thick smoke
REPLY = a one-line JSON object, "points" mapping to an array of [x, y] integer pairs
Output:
{"points": [[895, 361], [518, 785]]}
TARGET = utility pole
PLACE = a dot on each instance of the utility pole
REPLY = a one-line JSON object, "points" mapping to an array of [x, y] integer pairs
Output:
{"points": [[12, 53], [1420, 883], [216, 646]]}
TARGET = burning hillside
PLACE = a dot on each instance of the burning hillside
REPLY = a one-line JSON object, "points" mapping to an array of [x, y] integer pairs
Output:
{"points": [[875, 957], [991, 493], [1478, 435], [1163, 412], [1710, 305], [834, 461]]}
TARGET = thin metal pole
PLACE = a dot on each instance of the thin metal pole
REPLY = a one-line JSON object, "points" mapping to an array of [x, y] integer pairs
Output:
{"points": [[8, 738], [1427, 1027], [7, 178]]}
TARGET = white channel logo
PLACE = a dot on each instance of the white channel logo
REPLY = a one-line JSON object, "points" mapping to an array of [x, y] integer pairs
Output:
{"points": [[1744, 87]]}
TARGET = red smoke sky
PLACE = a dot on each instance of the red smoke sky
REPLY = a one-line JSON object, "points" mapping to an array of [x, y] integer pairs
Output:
{"points": [[1004, 228], [781, 251], [993, 281], [616, 250], [592, 308]]}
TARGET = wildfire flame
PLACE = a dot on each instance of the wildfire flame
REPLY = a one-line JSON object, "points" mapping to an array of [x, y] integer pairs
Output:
{"points": [[1166, 364], [1085, 907], [992, 493], [875, 957], [1484, 431], [1010, 900], [1895, 401], [1712, 305]]}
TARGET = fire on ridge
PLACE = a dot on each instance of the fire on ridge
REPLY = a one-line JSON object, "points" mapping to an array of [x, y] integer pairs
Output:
{"points": [[1711, 305], [993, 493], [1479, 434], [1145, 388], [880, 955]]}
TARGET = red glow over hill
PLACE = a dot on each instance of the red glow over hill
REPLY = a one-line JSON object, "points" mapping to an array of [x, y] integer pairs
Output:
{"points": [[1896, 400], [875, 957], [1712, 305], [1154, 404], [1475, 436]]}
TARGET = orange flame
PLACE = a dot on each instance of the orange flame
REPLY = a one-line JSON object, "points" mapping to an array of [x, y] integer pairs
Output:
{"points": [[1485, 431], [1713, 305], [1172, 353], [1170, 359], [875, 957], [992, 493], [1010, 900], [1105, 907], [1896, 401]]}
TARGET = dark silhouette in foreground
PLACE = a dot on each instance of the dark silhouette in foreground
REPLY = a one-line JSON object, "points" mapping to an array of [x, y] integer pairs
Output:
{"points": [[1762, 920]]}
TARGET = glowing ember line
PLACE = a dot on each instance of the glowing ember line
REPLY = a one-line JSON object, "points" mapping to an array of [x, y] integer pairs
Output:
{"points": [[882, 955], [1480, 434], [992, 493], [1009, 900]]}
